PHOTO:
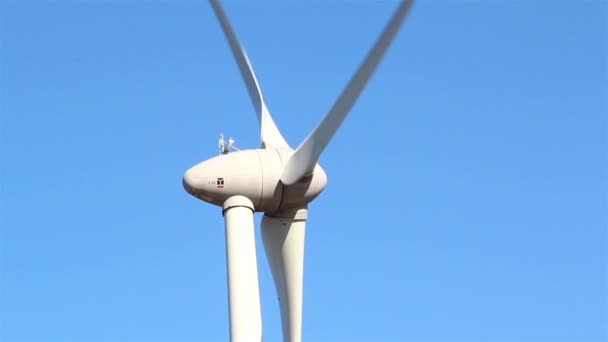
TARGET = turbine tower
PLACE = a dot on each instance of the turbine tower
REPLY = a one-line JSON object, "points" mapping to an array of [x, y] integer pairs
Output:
{"points": [[278, 181]]}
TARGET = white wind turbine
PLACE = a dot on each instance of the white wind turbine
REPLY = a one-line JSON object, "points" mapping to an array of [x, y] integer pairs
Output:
{"points": [[278, 181]]}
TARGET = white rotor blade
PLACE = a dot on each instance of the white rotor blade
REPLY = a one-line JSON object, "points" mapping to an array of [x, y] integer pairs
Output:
{"points": [[284, 245], [303, 161], [243, 285], [270, 134]]}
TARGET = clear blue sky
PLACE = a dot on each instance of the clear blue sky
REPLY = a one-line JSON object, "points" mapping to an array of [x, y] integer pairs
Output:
{"points": [[467, 189]]}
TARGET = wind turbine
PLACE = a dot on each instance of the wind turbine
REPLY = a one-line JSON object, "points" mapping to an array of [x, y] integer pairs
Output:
{"points": [[278, 181]]}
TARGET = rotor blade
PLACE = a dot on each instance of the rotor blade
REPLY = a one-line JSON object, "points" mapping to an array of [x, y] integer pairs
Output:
{"points": [[270, 134], [243, 285], [303, 161], [284, 245]]}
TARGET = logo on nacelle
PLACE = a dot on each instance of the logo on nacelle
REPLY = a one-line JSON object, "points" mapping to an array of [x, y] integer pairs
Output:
{"points": [[220, 183]]}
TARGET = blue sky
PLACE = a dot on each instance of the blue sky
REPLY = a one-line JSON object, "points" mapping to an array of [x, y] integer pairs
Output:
{"points": [[467, 189]]}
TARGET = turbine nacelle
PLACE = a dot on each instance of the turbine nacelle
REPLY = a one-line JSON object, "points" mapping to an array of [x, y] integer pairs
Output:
{"points": [[255, 174]]}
